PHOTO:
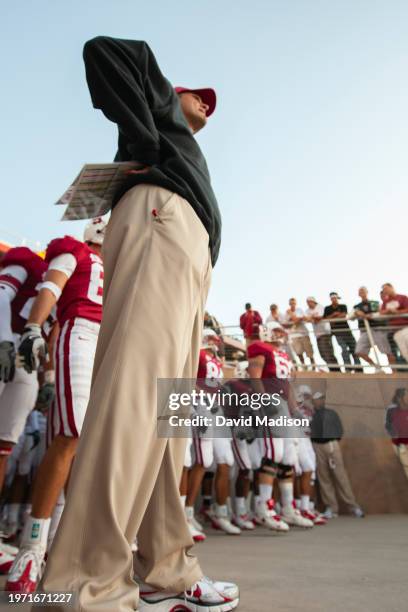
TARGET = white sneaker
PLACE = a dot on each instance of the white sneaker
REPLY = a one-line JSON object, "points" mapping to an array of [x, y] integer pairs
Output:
{"points": [[198, 536], [357, 512], [242, 521], [8, 548], [26, 571], [220, 520], [6, 561], [205, 595], [266, 516], [329, 514], [197, 525], [293, 517]]}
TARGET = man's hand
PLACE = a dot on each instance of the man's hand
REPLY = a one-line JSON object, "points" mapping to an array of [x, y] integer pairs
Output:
{"points": [[45, 396], [7, 361], [32, 347]]}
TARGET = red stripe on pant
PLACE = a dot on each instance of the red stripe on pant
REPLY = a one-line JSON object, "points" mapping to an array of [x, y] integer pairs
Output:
{"points": [[67, 382], [198, 451]]}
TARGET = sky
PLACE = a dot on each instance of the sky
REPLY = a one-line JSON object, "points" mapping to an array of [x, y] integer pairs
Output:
{"points": [[307, 148]]}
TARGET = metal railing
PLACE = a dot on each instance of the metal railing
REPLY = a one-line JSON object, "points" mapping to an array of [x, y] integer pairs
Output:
{"points": [[380, 360]]}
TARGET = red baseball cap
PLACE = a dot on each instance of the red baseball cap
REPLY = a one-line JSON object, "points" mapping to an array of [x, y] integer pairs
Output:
{"points": [[207, 95]]}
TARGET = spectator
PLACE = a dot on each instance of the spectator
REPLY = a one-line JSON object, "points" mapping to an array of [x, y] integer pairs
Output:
{"points": [[341, 330], [274, 316], [249, 322], [322, 331], [396, 423], [334, 484], [396, 303], [368, 309], [297, 330]]}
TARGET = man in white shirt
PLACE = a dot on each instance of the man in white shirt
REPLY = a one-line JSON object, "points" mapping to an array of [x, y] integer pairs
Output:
{"points": [[297, 330], [314, 315]]}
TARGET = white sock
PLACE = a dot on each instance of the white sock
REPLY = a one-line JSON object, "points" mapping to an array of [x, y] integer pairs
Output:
{"points": [[183, 499], [297, 502], [189, 510], [265, 492], [311, 505], [240, 505], [257, 499], [35, 533], [286, 491], [55, 519], [304, 502]]}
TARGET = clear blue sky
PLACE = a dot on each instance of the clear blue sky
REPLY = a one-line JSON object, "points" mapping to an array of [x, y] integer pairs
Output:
{"points": [[307, 149]]}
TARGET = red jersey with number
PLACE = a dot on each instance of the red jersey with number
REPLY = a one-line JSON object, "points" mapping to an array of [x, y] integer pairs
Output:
{"points": [[25, 291], [82, 295], [276, 370], [209, 370]]}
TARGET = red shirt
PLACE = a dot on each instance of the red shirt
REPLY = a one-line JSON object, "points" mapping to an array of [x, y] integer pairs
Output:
{"points": [[249, 322], [209, 371], [277, 367], [35, 268], [82, 295], [400, 302]]}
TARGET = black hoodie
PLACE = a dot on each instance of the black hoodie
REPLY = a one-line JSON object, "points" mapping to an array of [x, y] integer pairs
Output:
{"points": [[126, 83]]}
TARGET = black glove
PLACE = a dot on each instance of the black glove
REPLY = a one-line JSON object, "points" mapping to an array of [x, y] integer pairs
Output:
{"points": [[7, 361], [32, 347], [45, 396]]}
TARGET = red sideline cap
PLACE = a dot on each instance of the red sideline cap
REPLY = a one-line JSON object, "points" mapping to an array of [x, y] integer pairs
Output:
{"points": [[207, 95]]}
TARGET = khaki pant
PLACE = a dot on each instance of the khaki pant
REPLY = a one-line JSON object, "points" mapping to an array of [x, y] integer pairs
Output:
{"points": [[125, 479], [402, 453], [332, 476]]}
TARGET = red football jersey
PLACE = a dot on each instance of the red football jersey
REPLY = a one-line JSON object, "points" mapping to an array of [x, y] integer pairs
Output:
{"points": [[209, 370], [82, 295], [35, 268], [277, 367]]}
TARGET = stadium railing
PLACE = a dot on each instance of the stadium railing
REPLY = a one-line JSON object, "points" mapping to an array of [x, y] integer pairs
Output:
{"points": [[380, 360]]}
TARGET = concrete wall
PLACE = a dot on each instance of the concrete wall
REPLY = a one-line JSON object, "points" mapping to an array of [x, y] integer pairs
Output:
{"points": [[377, 477]]}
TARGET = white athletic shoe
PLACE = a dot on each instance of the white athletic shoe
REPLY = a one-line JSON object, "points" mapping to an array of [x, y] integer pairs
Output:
{"points": [[293, 517], [196, 534], [220, 520], [357, 512], [266, 516], [329, 514], [6, 561], [204, 596], [26, 571], [8, 548], [243, 521], [197, 524]]}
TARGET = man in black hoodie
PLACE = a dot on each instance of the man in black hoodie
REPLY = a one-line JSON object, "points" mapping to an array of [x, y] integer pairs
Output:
{"points": [[161, 242]]}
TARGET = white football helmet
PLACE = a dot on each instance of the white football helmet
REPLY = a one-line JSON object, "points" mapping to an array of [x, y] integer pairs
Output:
{"points": [[210, 340], [241, 369], [272, 332], [95, 231], [304, 390]]}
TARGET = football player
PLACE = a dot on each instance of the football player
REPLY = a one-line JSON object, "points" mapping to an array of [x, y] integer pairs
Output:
{"points": [[306, 458], [270, 370], [22, 271], [74, 281]]}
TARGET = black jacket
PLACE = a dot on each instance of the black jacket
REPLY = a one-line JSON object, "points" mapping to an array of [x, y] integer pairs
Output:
{"points": [[126, 83], [326, 426]]}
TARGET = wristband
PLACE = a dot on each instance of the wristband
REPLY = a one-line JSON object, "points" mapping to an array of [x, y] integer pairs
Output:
{"points": [[53, 287]]}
